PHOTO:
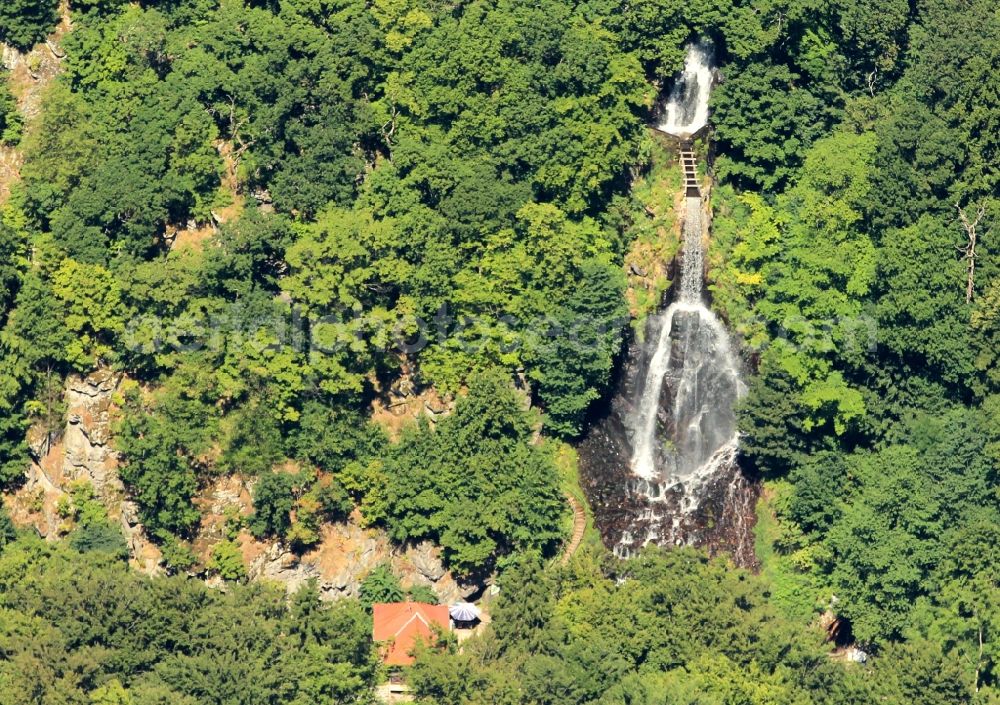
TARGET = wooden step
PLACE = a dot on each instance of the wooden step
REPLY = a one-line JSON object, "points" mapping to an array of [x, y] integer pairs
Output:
{"points": [[689, 167]]}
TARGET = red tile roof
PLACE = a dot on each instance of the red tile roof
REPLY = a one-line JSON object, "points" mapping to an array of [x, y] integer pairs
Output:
{"points": [[402, 623]]}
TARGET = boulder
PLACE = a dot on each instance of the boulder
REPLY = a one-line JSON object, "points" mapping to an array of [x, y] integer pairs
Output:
{"points": [[426, 559], [10, 57]]}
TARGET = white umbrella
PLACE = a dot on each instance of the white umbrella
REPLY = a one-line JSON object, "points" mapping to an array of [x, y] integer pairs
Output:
{"points": [[464, 612]]}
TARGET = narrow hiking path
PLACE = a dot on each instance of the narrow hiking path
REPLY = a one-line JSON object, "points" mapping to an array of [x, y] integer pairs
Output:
{"points": [[579, 528]]}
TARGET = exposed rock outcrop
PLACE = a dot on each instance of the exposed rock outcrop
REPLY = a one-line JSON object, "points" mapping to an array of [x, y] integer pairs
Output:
{"points": [[346, 553], [82, 450], [87, 452], [10, 57]]}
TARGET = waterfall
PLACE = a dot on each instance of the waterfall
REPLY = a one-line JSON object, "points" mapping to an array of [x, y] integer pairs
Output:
{"points": [[686, 109], [660, 463], [684, 424]]}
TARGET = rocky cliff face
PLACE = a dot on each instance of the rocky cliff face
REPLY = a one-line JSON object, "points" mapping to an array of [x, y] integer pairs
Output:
{"points": [[31, 73], [724, 520], [83, 450], [87, 451], [347, 553]]}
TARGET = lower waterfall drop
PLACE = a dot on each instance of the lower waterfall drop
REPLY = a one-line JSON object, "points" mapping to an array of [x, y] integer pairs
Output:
{"points": [[694, 376]]}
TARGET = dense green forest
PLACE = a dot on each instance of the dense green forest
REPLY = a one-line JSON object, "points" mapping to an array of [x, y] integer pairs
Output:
{"points": [[267, 213]]}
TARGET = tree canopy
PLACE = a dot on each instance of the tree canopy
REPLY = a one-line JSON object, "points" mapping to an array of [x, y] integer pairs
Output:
{"points": [[291, 227]]}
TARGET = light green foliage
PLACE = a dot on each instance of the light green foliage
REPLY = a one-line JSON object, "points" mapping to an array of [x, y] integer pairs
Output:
{"points": [[95, 531], [788, 559], [796, 273], [566, 308], [449, 191], [227, 561], [876, 525], [746, 236], [676, 623], [160, 102], [422, 593], [111, 693], [872, 364], [161, 445], [10, 117], [94, 311], [332, 278], [381, 585]]}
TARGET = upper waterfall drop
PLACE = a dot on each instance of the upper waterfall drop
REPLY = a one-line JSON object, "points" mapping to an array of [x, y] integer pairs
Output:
{"points": [[686, 109]]}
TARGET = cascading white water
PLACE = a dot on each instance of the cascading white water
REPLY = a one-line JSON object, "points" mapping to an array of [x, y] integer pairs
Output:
{"points": [[694, 357], [684, 426], [686, 109], [660, 462]]}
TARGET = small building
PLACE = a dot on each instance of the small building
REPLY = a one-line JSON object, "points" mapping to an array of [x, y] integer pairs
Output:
{"points": [[400, 624]]}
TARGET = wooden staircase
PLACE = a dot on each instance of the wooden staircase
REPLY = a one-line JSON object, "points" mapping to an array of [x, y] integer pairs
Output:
{"points": [[689, 165]]}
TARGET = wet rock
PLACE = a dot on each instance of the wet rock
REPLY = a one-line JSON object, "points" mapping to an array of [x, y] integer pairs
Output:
{"points": [[724, 519]]}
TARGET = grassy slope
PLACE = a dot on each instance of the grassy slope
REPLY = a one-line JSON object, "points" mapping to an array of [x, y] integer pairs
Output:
{"points": [[796, 591]]}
